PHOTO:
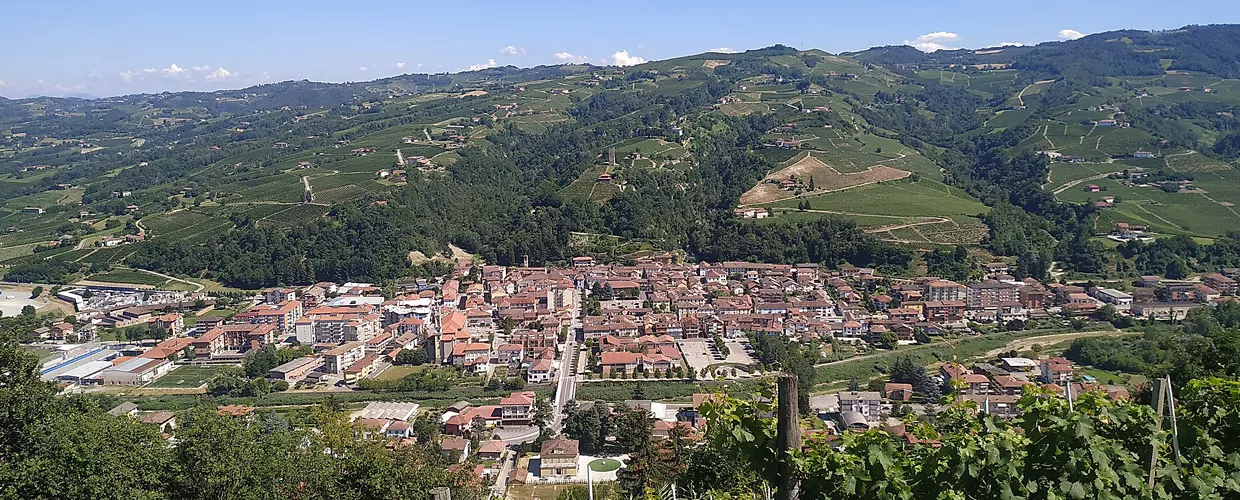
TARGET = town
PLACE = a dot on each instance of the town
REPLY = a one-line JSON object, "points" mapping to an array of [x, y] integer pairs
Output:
{"points": [[544, 332]]}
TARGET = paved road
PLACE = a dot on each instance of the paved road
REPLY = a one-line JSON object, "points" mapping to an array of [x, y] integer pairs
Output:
{"points": [[566, 386], [501, 479]]}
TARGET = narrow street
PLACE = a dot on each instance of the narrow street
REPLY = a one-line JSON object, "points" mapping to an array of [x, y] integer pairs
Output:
{"points": [[500, 488], [566, 386]]}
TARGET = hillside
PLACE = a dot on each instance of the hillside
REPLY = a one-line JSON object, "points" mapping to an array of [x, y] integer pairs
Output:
{"points": [[864, 158]]}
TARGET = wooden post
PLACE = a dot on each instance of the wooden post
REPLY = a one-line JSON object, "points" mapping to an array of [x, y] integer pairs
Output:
{"points": [[441, 493], [1160, 399], [787, 438]]}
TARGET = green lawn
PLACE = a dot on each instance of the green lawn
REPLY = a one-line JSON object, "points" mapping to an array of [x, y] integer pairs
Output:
{"points": [[399, 372], [41, 353], [1113, 378], [185, 377], [604, 464]]}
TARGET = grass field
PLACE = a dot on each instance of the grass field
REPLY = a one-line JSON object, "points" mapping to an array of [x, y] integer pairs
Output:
{"points": [[185, 377], [1209, 212], [41, 353], [898, 198], [399, 372], [537, 491]]}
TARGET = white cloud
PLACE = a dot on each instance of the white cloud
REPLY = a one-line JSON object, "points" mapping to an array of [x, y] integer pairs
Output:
{"points": [[512, 50], [568, 57], [622, 58], [1011, 44], [3, 84], [173, 71], [219, 74], [724, 50], [1070, 34], [930, 42], [489, 64], [362, 68], [400, 65]]}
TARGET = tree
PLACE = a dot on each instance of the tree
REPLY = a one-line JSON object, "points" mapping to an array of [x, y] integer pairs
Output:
{"points": [[853, 385], [259, 362], [586, 426], [36, 292], [889, 340], [411, 357], [28, 310], [647, 466], [542, 413]]}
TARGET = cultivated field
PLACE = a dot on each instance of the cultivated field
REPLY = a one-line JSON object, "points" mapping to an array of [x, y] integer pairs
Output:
{"points": [[1207, 211], [826, 179]]}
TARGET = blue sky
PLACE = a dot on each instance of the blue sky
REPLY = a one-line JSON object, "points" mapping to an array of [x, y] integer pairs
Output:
{"points": [[123, 46]]}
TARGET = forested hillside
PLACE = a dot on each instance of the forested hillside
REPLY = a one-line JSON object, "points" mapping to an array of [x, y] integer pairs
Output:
{"points": [[867, 158]]}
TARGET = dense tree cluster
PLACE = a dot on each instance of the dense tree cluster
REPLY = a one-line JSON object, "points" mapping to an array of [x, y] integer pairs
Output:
{"points": [[1206, 346], [66, 446], [1176, 256]]}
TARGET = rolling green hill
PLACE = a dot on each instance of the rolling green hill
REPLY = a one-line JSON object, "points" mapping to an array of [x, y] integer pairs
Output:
{"points": [[904, 149]]}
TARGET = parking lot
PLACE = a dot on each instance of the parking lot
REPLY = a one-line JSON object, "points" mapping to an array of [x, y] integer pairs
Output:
{"points": [[700, 353]]}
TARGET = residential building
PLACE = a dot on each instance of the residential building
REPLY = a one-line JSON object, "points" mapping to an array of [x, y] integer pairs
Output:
{"points": [[944, 290], [336, 359], [540, 372], [517, 408], [558, 458], [173, 323], [361, 368], [1056, 371], [990, 294], [454, 448], [164, 421], [283, 316], [1218, 281], [867, 403]]}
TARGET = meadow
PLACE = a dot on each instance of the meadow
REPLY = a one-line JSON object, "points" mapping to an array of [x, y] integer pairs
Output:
{"points": [[896, 198], [185, 377]]}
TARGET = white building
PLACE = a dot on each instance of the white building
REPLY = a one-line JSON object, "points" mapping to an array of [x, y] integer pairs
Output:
{"points": [[1122, 301]]}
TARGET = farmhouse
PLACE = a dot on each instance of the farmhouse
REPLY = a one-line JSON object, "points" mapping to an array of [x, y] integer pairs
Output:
{"points": [[751, 213]]}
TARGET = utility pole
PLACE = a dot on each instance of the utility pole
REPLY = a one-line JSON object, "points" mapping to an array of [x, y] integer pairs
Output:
{"points": [[787, 437]]}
